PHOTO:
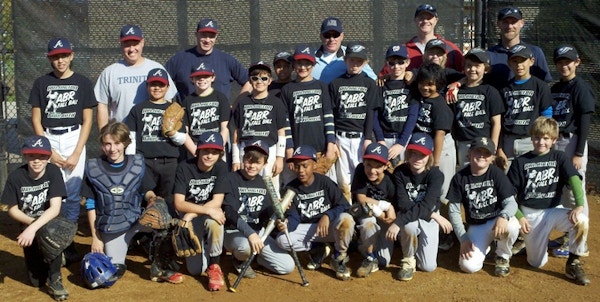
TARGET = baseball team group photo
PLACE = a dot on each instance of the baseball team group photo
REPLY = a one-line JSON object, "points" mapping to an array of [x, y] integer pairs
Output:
{"points": [[326, 169]]}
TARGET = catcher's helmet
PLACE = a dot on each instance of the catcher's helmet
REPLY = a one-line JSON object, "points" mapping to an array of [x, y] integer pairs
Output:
{"points": [[97, 270]]}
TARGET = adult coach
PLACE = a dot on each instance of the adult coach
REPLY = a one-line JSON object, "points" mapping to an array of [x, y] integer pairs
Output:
{"points": [[227, 68], [330, 56], [510, 22], [426, 18], [123, 84]]}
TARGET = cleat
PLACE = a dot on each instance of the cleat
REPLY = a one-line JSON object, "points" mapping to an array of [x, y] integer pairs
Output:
{"points": [[57, 290], [339, 266], [574, 271], [502, 268], [215, 277], [368, 266], [407, 269], [237, 265], [317, 254]]}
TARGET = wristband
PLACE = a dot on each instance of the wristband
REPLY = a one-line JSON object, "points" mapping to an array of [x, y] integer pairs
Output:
{"points": [[377, 211], [280, 147], [235, 154], [384, 205], [178, 138]]}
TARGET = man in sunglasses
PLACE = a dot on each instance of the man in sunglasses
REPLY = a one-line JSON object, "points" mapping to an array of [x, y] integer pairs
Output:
{"points": [[510, 22], [227, 68], [330, 56]]}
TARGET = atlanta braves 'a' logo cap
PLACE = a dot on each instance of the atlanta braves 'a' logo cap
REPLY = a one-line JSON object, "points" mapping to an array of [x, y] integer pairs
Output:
{"points": [[131, 33], [304, 152], [36, 144], [202, 69], [59, 46], [207, 25], [376, 152], [304, 52], [258, 145], [210, 140], [158, 75], [421, 142]]}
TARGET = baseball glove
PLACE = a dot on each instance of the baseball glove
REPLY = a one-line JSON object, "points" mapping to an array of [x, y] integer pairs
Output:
{"points": [[185, 242], [359, 210], [324, 164], [55, 236], [157, 215], [172, 119]]}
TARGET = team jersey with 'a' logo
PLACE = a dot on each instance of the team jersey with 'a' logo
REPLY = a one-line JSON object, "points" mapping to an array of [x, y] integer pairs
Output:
{"points": [[480, 195]]}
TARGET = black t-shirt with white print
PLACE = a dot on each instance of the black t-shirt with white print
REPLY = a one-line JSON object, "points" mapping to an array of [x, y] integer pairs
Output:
{"points": [[524, 103], [473, 112], [385, 190], [434, 115], [396, 100], [248, 200], [146, 120], [259, 119], [199, 187], [354, 97], [32, 196], [417, 196], [205, 113], [481, 195], [571, 99], [62, 101], [539, 179]]}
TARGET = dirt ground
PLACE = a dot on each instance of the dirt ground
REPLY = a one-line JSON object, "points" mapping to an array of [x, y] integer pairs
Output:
{"points": [[447, 282]]}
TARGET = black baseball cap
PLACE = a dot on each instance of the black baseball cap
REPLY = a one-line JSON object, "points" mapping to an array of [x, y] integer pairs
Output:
{"points": [[506, 12], [303, 152], [258, 145], [331, 23], [565, 51], [356, 50], [436, 43], [262, 65], [282, 55], [520, 50], [426, 8], [479, 54], [483, 143]]}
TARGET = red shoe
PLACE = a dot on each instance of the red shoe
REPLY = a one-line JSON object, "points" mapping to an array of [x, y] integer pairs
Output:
{"points": [[174, 278], [215, 277]]}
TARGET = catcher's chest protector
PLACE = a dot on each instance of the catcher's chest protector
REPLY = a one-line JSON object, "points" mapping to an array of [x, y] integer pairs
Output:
{"points": [[119, 203]]}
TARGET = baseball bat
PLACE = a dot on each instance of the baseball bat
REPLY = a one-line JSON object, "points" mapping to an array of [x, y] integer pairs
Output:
{"points": [[278, 209], [287, 200]]}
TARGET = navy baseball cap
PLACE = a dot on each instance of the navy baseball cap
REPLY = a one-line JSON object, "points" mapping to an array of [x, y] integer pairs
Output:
{"points": [[331, 23], [567, 52], [210, 140], [303, 152], [428, 8], [131, 32], [520, 50], [59, 46], [436, 43], [304, 52], [479, 54], [376, 151], [158, 75], [513, 12], [397, 50], [282, 55], [356, 50], [207, 25], [421, 142], [260, 65], [36, 144], [258, 145], [484, 143], [203, 69]]}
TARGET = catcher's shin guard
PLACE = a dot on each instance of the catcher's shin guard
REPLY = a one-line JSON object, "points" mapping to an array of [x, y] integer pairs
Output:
{"points": [[163, 268]]}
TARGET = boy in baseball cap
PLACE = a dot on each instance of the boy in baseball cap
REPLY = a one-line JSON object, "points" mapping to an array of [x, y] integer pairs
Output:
{"points": [[282, 65], [373, 188], [248, 209], [199, 190], [34, 194], [487, 197], [317, 216], [418, 188], [206, 109]]}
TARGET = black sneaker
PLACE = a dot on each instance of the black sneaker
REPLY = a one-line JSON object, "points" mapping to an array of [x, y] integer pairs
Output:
{"points": [[237, 265], [317, 254], [502, 268], [574, 271], [368, 266], [57, 290], [339, 266]]}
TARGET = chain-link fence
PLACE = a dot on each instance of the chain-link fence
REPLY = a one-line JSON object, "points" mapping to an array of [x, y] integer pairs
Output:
{"points": [[256, 29]]}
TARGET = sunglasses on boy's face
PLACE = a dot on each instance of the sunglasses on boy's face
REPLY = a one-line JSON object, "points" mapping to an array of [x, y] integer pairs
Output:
{"points": [[394, 63], [262, 79], [332, 34]]}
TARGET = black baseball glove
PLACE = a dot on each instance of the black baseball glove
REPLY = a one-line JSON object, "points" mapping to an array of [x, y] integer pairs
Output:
{"points": [[55, 236]]}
